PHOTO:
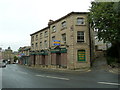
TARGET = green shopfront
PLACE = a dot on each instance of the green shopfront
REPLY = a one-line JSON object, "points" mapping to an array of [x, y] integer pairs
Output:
{"points": [[59, 57], [54, 57], [39, 57]]}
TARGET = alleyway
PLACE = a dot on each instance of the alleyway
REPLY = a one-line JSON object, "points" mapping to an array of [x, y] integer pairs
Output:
{"points": [[101, 64]]}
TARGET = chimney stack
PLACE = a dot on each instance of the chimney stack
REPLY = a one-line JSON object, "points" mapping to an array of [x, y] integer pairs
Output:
{"points": [[50, 21]]}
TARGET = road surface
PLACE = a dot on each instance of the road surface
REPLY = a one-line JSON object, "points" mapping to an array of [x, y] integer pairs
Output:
{"points": [[17, 76]]}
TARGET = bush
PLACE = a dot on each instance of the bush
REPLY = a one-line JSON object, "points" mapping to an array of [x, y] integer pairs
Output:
{"points": [[111, 60], [112, 54]]}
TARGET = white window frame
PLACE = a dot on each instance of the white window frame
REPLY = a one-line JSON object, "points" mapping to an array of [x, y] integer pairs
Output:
{"points": [[81, 40], [80, 21]]}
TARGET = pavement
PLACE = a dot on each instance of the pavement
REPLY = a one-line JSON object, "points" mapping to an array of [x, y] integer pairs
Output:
{"points": [[114, 70], [61, 70], [99, 64]]}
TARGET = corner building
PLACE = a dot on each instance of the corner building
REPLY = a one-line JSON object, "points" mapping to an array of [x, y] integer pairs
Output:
{"points": [[65, 43]]}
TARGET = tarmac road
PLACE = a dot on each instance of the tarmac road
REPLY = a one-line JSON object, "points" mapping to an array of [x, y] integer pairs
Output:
{"points": [[17, 76]]}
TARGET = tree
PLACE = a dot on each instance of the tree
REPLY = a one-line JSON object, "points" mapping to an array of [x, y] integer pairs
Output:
{"points": [[105, 18], [15, 58]]}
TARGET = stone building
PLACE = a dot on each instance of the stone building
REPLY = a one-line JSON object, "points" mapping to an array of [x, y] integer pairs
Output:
{"points": [[65, 43], [40, 47], [8, 55], [24, 55]]}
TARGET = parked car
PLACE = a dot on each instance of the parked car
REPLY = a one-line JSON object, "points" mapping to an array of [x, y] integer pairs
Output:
{"points": [[2, 64]]}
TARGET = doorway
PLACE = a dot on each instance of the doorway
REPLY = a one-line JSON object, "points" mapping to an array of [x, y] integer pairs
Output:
{"points": [[43, 59], [58, 59]]}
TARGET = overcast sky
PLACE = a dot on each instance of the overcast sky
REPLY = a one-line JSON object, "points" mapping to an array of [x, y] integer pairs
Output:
{"points": [[20, 18]]}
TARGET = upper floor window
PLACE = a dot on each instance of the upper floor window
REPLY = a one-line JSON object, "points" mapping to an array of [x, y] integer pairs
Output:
{"points": [[40, 35], [45, 43], [32, 38], [80, 36], [36, 46], [53, 38], [46, 34], [80, 21], [64, 38], [40, 44], [32, 46], [64, 24], [36, 37], [53, 29]]}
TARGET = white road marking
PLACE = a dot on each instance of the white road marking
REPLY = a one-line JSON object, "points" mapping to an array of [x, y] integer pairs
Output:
{"points": [[109, 83], [88, 71], [52, 77], [58, 78], [22, 72], [40, 75]]}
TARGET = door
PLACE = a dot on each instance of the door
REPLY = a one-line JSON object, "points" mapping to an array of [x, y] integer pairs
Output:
{"points": [[34, 60], [43, 59], [58, 59]]}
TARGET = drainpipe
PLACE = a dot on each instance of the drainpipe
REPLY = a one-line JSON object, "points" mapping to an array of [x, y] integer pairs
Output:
{"points": [[90, 44], [73, 41], [49, 37]]}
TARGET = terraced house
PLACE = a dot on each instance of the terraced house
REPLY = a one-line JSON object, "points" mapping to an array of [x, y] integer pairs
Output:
{"points": [[64, 43]]}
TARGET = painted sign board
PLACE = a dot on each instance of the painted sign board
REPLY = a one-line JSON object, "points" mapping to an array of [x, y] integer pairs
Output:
{"points": [[81, 55], [56, 42], [22, 54]]}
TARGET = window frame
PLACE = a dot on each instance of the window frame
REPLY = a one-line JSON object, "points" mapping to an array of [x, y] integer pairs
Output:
{"points": [[32, 45], [53, 40], [41, 34], [64, 24], [36, 45], [32, 39], [40, 45], [45, 33], [63, 41], [45, 44], [80, 40], [54, 28], [80, 22], [36, 37]]}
